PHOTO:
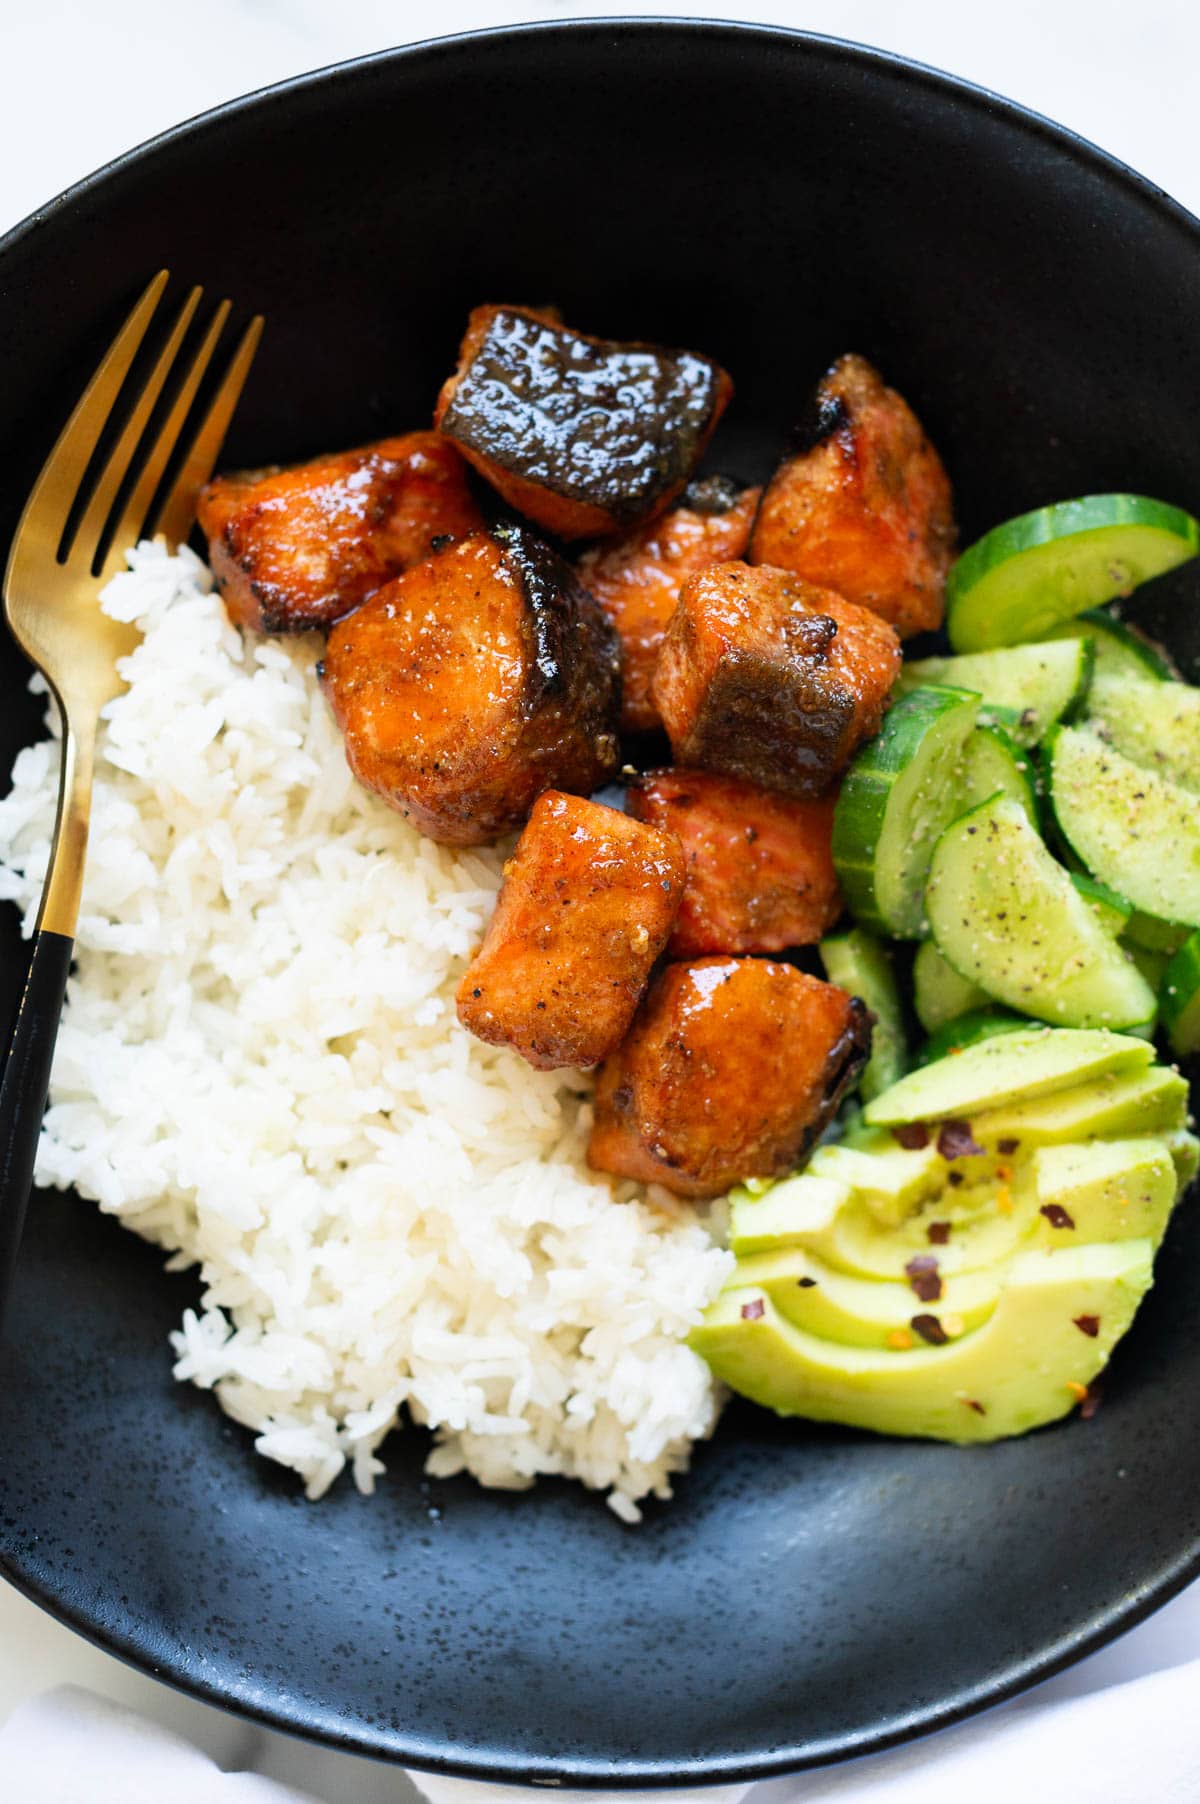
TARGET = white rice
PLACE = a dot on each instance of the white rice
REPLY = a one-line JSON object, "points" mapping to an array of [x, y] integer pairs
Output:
{"points": [[260, 1069]]}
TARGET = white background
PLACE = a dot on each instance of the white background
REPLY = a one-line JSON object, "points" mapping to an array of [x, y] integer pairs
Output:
{"points": [[86, 79]]}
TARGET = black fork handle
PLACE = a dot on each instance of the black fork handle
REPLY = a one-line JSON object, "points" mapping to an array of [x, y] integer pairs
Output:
{"points": [[23, 1088]]}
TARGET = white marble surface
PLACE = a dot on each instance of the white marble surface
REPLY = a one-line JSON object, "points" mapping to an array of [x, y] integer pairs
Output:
{"points": [[88, 78]]}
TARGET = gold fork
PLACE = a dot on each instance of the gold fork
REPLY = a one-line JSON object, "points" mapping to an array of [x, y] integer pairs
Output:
{"points": [[51, 589]]}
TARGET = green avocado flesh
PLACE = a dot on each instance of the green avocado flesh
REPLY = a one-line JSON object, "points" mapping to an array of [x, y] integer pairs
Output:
{"points": [[972, 1286]]}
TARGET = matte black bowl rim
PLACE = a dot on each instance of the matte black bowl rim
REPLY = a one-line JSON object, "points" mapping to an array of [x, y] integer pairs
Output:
{"points": [[1138, 1604]]}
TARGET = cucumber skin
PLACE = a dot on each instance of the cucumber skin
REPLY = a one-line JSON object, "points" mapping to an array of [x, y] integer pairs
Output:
{"points": [[1179, 998], [861, 810], [1152, 663], [1112, 911], [858, 962], [1046, 526], [968, 1030], [1008, 946]]}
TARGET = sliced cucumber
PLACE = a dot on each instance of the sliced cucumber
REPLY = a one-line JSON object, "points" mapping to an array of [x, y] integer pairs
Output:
{"points": [[858, 962], [898, 794], [1180, 997], [1152, 965], [1155, 724], [1022, 578], [1007, 916], [967, 1030], [939, 993], [1133, 829], [1121, 651], [1112, 911], [994, 761], [1035, 685], [1155, 935]]}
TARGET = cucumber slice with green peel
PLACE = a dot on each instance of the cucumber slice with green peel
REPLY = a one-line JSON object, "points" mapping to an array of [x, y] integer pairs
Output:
{"points": [[1152, 965], [1006, 914], [858, 962], [1035, 685], [1036, 1061], [1133, 829], [994, 761], [1121, 651], [939, 993], [1155, 724], [1112, 911], [968, 1030], [1024, 577], [1155, 935], [1179, 997], [898, 794]]}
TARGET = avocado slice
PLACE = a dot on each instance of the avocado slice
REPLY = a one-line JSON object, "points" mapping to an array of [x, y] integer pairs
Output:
{"points": [[859, 1312], [1105, 1190], [970, 1283], [891, 1179], [1034, 1062], [1028, 1364], [1119, 1102]]}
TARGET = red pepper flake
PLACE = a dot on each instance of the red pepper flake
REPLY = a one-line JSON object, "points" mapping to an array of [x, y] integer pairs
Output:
{"points": [[1092, 1401], [930, 1329], [956, 1141], [922, 1274], [974, 1403], [912, 1135], [1056, 1215], [938, 1233], [1087, 1324], [806, 1283], [753, 1309], [1006, 1148]]}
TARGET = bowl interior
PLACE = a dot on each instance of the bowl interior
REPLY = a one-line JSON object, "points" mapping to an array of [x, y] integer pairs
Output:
{"points": [[774, 200]]}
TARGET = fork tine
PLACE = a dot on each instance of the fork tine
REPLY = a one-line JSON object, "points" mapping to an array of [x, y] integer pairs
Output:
{"points": [[178, 510], [131, 526], [56, 487], [91, 528]]}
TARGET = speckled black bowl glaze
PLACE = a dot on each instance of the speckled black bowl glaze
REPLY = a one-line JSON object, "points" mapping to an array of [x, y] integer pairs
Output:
{"points": [[773, 200]]}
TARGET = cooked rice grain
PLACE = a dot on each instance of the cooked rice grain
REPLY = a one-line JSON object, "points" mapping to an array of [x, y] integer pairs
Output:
{"points": [[260, 1069]]}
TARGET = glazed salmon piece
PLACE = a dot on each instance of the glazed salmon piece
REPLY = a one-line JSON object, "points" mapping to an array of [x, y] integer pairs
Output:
{"points": [[637, 580], [299, 548], [731, 1070], [765, 677], [586, 905], [863, 505], [760, 873], [474, 682], [583, 435]]}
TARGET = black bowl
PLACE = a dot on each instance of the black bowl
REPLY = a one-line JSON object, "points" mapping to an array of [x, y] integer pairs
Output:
{"points": [[773, 199]]}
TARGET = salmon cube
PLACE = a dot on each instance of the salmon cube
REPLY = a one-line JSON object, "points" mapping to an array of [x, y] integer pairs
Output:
{"points": [[637, 580], [587, 903], [583, 435], [760, 873], [732, 1069], [299, 548], [474, 682], [765, 677], [863, 504]]}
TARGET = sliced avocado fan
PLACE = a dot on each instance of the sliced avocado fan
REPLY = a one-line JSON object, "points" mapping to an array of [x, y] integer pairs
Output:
{"points": [[960, 1277]]}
